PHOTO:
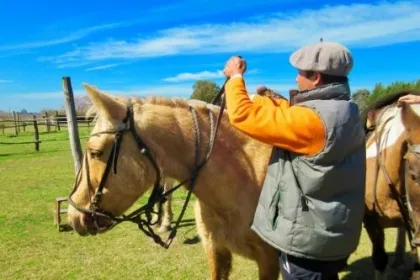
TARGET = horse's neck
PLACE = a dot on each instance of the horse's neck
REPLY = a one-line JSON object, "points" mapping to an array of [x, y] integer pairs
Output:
{"points": [[170, 135], [386, 140], [236, 159]]}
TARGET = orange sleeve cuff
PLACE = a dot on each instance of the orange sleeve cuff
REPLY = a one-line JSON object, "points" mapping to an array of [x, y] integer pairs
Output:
{"points": [[272, 121]]}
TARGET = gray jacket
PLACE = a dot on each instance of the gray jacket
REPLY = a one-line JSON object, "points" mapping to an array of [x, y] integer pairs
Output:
{"points": [[312, 207]]}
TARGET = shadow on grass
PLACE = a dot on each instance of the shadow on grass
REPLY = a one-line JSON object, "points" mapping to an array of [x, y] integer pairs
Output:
{"points": [[65, 228], [192, 241], [364, 269], [188, 223], [6, 155]]}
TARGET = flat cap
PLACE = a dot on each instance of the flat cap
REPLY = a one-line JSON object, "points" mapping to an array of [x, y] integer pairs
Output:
{"points": [[325, 57]]}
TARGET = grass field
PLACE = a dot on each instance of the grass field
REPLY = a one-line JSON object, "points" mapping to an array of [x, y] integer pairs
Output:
{"points": [[32, 248]]}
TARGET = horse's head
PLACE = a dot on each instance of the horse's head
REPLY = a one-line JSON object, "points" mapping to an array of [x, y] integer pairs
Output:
{"points": [[116, 169], [410, 115]]}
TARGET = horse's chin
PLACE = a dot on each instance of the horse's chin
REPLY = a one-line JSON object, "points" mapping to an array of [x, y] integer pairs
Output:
{"points": [[86, 224], [98, 225]]}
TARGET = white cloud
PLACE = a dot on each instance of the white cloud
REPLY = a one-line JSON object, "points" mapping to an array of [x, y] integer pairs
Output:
{"points": [[179, 90], [43, 95], [200, 75], [5, 81], [194, 76], [102, 67], [74, 36], [356, 25]]}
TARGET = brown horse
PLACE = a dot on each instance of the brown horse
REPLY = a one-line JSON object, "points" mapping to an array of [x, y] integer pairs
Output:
{"points": [[393, 176], [159, 136]]}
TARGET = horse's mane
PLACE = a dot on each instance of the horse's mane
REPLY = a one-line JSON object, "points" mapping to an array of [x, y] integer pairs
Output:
{"points": [[173, 102], [382, 102]]}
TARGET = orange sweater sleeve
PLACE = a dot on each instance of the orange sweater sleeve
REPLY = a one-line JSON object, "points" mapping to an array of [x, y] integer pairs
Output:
{"points": [[274, 121]]}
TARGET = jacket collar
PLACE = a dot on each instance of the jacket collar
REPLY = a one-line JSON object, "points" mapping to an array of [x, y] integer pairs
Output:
{"points": [[335, 91]]}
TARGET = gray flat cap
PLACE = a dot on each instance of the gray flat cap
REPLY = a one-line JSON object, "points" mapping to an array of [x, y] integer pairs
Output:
{"points": [[325, 57]]}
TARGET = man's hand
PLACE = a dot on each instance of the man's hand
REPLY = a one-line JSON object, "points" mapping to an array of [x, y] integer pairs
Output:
{"points": [[235, 65], [409, 99]]}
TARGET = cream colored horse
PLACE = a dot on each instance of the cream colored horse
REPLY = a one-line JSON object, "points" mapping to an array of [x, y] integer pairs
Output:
{"points": [[164, 224], [227, 188]]}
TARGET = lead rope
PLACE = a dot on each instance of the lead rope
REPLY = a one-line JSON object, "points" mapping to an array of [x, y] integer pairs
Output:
{"points": [[213, 133]]}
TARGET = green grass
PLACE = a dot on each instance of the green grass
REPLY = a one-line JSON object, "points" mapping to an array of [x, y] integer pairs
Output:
{"points": [[32, 248]]}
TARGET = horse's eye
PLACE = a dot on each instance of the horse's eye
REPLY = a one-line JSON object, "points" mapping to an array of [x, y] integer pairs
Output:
{"points": [[95, 153]]}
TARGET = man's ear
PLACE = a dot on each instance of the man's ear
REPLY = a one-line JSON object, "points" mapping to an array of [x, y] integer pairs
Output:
{"points": [[316, 79]]}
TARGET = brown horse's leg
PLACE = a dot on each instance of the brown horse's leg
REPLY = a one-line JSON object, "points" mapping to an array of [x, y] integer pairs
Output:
{"points": [[377, 237], [399, 249], [219, 260], [269, 265], [165, 223]]}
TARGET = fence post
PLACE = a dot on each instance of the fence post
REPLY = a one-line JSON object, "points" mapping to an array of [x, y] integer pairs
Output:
{"points": [[70, 109], [18, 121], [57, 121], [47, 122], [14, 120], [36, 134]]}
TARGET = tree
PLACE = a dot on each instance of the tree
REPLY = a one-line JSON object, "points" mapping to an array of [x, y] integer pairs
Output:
{"points": [[82, 104], [205, 90], [380, 90], [360, 97]]}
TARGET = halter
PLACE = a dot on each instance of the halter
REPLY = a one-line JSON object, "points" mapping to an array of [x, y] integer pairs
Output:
{"points": [[158, 194]]}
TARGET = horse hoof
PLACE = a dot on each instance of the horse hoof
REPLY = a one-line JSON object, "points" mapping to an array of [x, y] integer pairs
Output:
{"points": [[380, 275], [164, 229]]}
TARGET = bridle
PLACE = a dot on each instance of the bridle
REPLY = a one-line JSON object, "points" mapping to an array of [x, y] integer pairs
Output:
{"points": [[143, 215]]}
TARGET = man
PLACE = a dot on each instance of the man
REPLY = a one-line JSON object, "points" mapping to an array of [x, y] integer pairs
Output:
{"points": [[312, 202]]}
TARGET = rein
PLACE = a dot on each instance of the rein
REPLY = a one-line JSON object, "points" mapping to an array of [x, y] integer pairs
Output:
{"points": [[143, 215]]}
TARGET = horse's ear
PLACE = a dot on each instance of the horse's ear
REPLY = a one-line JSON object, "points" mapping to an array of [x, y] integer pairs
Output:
{"points": [[106, 105], [410, 114]]}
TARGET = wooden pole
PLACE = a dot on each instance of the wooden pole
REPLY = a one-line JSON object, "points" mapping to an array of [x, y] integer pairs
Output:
{"points": [[36, 134], [14, 120], [47, 122], [18, 121], [70, 109], [57, 121]]}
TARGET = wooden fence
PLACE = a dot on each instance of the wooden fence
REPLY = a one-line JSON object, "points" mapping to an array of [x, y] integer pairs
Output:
{"points": [[72, 121], [51, 123]]}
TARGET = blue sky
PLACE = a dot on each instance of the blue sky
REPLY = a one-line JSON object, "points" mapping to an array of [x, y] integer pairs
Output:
{"points": [[163, 47]]}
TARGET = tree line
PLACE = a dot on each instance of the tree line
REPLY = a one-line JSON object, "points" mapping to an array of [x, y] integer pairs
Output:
{"points": [[364, 97], [206, 90]]}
